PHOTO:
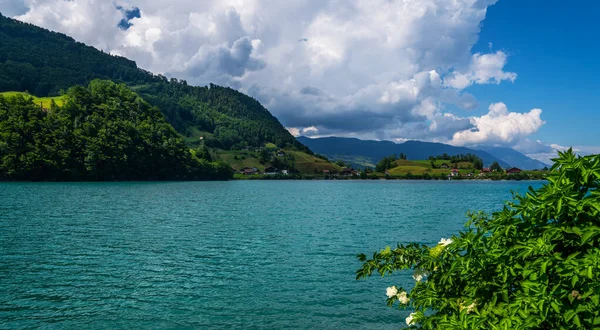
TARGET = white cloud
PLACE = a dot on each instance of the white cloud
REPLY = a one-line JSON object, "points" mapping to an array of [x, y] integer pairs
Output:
{"points": [[294, 131], [12, 7], [483, 69], [499, 126], [385, 69]]}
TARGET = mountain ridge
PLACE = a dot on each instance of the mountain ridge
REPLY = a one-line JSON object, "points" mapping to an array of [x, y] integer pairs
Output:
{"points": [[349, 149], [513, 157]]}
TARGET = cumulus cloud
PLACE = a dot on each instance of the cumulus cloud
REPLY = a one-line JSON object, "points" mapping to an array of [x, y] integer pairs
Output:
{"points": [[483, 69], [499, 126], [385, 69], [221, 60]]}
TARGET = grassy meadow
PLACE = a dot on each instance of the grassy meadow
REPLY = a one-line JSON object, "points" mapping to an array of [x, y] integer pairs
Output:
{"points": [[44, 102]]}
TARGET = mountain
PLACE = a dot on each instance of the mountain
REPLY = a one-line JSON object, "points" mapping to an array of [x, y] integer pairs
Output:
{"points": [[514, 158], [362, 153], [45, 63]]}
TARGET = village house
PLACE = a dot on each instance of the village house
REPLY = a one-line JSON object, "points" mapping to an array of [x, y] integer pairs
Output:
{"points": [[249, 171], [346, 171], [455, 172], [280, 153], [485, 170], [271, 170], [444, 165], [513, 170], [285, 172]]}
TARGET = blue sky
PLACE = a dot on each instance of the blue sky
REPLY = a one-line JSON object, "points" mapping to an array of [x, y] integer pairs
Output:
{"points": [[553, 46], [520, 74]]}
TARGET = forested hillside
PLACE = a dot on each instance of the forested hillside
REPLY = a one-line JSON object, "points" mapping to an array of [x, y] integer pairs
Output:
{"points": [[43, 63], [102, 132]]}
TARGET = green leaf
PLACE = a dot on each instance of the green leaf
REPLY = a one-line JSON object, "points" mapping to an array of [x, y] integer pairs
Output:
{"points": [[555, 306]]}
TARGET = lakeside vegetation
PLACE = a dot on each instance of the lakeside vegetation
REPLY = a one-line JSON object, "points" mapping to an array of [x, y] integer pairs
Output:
{"points": [[532, 265]]}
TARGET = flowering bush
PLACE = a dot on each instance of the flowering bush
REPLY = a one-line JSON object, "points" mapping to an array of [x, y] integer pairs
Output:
{"points": [[533, 265]]}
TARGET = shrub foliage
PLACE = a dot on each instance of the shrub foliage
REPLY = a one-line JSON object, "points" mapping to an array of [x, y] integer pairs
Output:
{"points": [[533, 265]]}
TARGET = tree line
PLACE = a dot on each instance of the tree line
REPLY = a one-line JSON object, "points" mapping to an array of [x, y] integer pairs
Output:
{"points": [[388, 162], [102, 132]]}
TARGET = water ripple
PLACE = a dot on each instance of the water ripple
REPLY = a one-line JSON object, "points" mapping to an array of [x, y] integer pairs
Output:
{"points": [[266, 255]]}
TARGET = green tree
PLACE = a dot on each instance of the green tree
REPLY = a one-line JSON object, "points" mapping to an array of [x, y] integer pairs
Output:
{"points": [[496, 167], [203, 153], [533, 265], [386, 163]]}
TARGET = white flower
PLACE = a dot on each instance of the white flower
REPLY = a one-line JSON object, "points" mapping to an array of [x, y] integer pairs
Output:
{"points": [[403, 297], [445, 241], [420, 274], [391, 291], [471, 307], [411, 318]]}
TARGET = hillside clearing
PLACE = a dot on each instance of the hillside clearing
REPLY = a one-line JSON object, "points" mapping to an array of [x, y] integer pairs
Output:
{"points": [[43, 101]]}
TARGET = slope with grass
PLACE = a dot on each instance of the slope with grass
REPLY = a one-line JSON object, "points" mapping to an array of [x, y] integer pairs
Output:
{"points": [[43, 102], [294, 161]]}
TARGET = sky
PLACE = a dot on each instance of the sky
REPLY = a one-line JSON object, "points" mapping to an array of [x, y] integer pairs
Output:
{"points": [[511, 73]]}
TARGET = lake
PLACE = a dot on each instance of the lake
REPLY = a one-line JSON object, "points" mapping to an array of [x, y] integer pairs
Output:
{"points": [[238, 254]]}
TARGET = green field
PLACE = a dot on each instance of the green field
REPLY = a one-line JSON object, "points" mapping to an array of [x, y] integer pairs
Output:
{"points": [[239, 159], [43, 101], [420, 167], [440, 162]]}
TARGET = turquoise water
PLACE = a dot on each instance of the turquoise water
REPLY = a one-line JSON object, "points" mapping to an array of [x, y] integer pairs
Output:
{"points": [[259, 254]]}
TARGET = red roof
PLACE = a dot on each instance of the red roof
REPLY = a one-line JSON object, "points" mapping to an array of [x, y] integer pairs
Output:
{"points": [[513, 170]]}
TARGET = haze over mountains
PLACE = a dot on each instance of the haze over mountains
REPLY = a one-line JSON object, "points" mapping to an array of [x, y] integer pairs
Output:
{"points": [[367, 152]]}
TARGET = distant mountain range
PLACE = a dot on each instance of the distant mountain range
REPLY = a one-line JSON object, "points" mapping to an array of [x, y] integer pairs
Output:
{"points": [[513, 157], [366, 153]]}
